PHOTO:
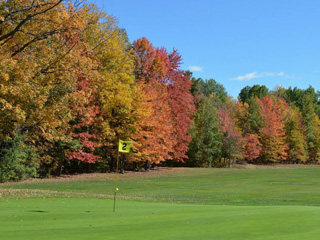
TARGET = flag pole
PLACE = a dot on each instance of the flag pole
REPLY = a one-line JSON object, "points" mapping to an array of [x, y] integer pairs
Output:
{"points": [[115, 187], [124, 146]]}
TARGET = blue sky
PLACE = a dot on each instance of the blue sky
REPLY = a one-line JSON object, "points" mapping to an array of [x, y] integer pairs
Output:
{"points": [[236, 42]]}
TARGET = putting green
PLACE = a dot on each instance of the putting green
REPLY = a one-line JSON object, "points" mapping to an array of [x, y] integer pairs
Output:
{"points": [[93, 218]]}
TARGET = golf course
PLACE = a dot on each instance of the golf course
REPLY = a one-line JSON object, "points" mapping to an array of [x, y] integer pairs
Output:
{"points": [[167, 203]]}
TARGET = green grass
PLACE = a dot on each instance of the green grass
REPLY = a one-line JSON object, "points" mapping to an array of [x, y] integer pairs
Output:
{"points": [[190, 204], [205, 186]]}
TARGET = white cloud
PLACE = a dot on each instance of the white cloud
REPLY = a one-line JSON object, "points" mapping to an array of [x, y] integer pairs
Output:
{"points": [[246, 77], [254, 75], [268, 74], [195, 68]]}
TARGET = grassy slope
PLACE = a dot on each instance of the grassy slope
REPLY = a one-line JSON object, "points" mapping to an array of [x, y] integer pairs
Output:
{"points": [[60, 217], [208, 186]]}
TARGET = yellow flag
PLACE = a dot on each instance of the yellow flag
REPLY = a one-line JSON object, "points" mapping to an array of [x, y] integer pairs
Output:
{"points": [[124, 146]]}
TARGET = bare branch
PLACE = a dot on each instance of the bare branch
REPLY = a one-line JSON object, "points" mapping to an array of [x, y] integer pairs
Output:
{"points": [[37, 38], [28, 18], [44, 70]]}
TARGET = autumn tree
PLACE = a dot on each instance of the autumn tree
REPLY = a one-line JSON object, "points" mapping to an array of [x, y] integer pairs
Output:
{"points": [[251, 147], [41, 77], [154, 140], [181, 106], [241, 116], [315, 151], [20, 18], [248, 119], [114, 92], [294, 126], [82, 126], [230, 135], [39, 57], [272, 134], [308, 103], [35, 67]]}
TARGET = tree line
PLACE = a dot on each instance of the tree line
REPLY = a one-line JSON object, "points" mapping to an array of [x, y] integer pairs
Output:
{"points": [[262, 126], [72, 85]]}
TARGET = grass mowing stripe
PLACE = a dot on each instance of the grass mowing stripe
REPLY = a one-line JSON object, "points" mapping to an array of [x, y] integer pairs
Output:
{"points": [[92, 218]]}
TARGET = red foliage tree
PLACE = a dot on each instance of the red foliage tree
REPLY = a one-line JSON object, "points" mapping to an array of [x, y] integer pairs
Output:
{"points": [[227, 124], [181, 104], [154, 138], [167, 103], [251, 147], [272, 134], [85, 116]]}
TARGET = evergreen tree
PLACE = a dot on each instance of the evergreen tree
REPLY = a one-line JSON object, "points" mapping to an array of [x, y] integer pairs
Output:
{"points": [[309, 118], [17, 160], [205, 147], [256, 91]]}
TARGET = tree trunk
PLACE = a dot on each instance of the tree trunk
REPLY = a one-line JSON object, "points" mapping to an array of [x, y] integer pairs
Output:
{"points": [[153, 165], [147, 166], [229, 153], [111, 165], [122, 159], [136, 167]]}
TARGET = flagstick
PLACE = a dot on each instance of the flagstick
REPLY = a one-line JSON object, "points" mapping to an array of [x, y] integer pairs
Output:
{"points": [[115, 187]]}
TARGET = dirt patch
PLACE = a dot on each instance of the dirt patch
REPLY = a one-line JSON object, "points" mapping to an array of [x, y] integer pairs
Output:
{"points": [[35, 193], [273, 166], [159, 171]]}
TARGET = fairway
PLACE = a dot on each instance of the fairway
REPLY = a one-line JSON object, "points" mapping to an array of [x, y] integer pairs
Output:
{"points": [[184, 204]]}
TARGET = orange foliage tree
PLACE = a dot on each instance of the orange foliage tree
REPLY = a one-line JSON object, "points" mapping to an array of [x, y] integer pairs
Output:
{"points": [[181, 104], [272, 134], [167, 103], [82, 126], [251, 147], [154, 140]]}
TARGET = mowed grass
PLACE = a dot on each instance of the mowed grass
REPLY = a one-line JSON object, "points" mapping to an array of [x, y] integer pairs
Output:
{"points": [[186, 204], [299, 186]]}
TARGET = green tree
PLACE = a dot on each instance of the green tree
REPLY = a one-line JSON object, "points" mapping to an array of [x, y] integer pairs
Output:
{"points": [[309, 118], [296, 96], [251, 92], [205, 147], [208, 88], [255, 91], [231, 144], [17, 160], [254, 117]]}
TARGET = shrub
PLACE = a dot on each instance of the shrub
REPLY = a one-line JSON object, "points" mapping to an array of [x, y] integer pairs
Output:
{"points": [[18, 161]]}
